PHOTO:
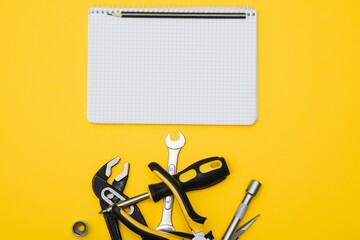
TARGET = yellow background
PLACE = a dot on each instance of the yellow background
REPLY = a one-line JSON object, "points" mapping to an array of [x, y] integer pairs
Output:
{"points": [[304, 147]]}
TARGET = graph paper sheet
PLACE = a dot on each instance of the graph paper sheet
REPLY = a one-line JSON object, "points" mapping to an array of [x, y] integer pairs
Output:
{"points": [[172, 70]]}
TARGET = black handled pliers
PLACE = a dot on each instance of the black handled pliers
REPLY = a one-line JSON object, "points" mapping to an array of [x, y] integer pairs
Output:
{"points": [[110, 194]]}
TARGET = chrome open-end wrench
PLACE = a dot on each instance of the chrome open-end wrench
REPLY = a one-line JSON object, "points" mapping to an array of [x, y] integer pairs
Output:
{"points": [[174, 149]]}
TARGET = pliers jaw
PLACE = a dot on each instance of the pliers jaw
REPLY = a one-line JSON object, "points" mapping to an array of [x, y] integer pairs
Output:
{"points": [[244, 227], [99, 182]]}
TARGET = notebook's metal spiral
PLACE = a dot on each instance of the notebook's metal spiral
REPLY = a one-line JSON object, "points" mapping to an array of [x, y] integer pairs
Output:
{"points": [[249, 11]]}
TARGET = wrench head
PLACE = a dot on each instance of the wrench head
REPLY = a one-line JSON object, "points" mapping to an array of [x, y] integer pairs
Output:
{"points": [[175, 144]]}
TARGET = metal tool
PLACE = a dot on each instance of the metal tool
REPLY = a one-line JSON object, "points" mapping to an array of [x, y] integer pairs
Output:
{"points": [[193, 220], [240, 212], [199, 175], [110, 194], [244, 227], [174, 148], [79, 228]]}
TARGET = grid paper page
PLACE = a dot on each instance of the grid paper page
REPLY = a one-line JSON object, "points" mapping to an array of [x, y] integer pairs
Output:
{"points": [[172, 70]]}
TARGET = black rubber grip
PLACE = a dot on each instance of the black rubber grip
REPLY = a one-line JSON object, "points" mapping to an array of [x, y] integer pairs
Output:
{"points": [[113, 226], [176, 186], [201, 181]]}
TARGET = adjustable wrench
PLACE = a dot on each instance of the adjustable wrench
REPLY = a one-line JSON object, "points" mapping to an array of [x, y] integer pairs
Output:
{"points": [[174, 149]]}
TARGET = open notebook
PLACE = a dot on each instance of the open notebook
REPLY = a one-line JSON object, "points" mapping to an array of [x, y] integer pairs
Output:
{"points": [[172, 66]]}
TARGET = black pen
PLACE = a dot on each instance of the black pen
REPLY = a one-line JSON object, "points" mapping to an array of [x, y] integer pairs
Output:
{"points": [[134, 14]]}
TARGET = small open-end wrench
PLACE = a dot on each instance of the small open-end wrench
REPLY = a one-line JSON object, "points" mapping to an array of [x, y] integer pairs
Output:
{"points": [[174, 149]]}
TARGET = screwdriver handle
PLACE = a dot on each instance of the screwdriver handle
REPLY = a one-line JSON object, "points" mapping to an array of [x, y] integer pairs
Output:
{"points": [[201, 174]]}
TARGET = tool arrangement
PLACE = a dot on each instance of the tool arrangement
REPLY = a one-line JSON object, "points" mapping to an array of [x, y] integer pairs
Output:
{"points": [[115, 205]]}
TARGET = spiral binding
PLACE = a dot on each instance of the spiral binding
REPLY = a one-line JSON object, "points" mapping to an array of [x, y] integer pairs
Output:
{"points": [[143, 9]]}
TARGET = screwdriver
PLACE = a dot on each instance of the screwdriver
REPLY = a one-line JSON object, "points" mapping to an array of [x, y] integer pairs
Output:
{"points": [[199, 175]]}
